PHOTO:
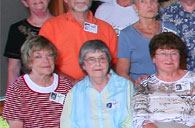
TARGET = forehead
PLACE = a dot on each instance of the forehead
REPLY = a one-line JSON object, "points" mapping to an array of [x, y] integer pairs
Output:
{"points": [[166, 50], [94, 54]]}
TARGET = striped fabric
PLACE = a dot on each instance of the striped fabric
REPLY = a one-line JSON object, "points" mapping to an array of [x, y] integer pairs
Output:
{"points": [[85, 107], [34, 108]]}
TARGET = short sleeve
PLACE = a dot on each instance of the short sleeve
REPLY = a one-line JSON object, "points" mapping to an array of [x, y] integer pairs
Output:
{"points": [[123, 48], [14, 43]]}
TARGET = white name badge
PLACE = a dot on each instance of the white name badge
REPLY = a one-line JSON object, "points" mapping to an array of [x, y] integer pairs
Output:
{"points": [[57, 97], [182, 86], [113, 105], [89, 27]]}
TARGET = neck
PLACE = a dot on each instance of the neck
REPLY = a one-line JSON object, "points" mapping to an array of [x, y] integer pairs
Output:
{"points": [[37, 19], [42, 80], [171, 76], [148, 24], [80, 17], [188, 5], [124, 3], [100, 83]]}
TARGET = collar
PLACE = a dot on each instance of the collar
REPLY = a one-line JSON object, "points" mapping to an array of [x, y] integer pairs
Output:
{"points": [[91, 18]]}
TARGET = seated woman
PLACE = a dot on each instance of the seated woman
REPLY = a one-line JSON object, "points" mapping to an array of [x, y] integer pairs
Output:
{"points": [[102, 98], [29, 100], [167, 97]]}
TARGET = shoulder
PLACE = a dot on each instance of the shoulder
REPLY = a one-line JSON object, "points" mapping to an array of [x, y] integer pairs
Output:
{"points": [[66, 79], [191, 74], [18, 85], [104, 10], [119, 81], [168, 27], [105, 6], [128, 31], [56, 20], [19, 23], [172, 7]]}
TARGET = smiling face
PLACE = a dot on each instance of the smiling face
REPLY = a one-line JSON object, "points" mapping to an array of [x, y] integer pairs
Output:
{"points": [[79, 5], [146, 8], [42, 62], [36, 6], [96, 64], [166, 60]]}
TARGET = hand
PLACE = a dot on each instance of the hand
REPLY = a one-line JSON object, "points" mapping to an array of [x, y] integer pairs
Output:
{"points": [[149, 125], [193, 127]]}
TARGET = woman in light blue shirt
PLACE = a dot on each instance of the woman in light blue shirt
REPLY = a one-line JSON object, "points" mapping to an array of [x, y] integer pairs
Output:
{"points": [[102, 98]]}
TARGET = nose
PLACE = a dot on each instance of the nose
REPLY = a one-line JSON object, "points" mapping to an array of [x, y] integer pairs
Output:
{"points": [[45, 58], [97, 61]]}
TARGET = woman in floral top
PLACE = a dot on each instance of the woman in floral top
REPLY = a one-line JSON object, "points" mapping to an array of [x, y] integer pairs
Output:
{"points": [[167, 97]]}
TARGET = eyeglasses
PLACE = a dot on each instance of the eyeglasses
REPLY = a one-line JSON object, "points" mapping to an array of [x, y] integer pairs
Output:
{"points": [[93, 60], [172, 54]]}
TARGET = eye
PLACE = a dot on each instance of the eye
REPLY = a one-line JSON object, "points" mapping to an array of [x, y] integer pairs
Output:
{"points": [[37, 56], [50, 54], [103, 59], [91, 59]]}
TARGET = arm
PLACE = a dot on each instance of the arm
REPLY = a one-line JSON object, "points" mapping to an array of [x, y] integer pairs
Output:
{"points": [[122, 68], [65, 120], [13, 70], [15, 124]]}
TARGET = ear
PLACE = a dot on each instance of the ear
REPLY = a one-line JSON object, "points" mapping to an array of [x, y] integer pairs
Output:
{"points": [[135, 8], [83, 67], [25, 3], [154, 60]]}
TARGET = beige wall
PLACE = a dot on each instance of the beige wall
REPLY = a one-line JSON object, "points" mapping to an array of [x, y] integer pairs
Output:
{"points": [[11, 11]]}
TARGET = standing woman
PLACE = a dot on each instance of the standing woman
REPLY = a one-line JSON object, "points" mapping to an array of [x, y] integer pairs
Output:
{"points": [[21, 30], [133, 52]]}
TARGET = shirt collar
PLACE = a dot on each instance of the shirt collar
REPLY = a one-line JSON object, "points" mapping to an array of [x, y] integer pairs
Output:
{"points": [[91, 18]]}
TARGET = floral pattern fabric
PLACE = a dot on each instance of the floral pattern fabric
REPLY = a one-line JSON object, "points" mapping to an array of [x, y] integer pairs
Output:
{"points": [[185, 23]]}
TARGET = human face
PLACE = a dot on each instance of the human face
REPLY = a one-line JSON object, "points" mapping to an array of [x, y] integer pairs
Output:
{"points": [[146, 8], [36, 5], [96, 64], [42, 62], [167, 59], [79, 5]]}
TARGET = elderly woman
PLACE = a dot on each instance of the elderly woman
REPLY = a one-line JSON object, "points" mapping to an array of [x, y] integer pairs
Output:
{"points": [[166, 98], [102, 98], [29, 100], [134, 58]]}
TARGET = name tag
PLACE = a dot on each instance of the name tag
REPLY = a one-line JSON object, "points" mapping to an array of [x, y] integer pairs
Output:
{"points": [[182, 86], [113, 105], [57, 97], [89, 27]]}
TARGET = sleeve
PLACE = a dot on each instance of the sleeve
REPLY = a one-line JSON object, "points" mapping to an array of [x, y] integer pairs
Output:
{"points": [[14, 42], [123, 48], [139, 107], [13, 104], [65, 120]]}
